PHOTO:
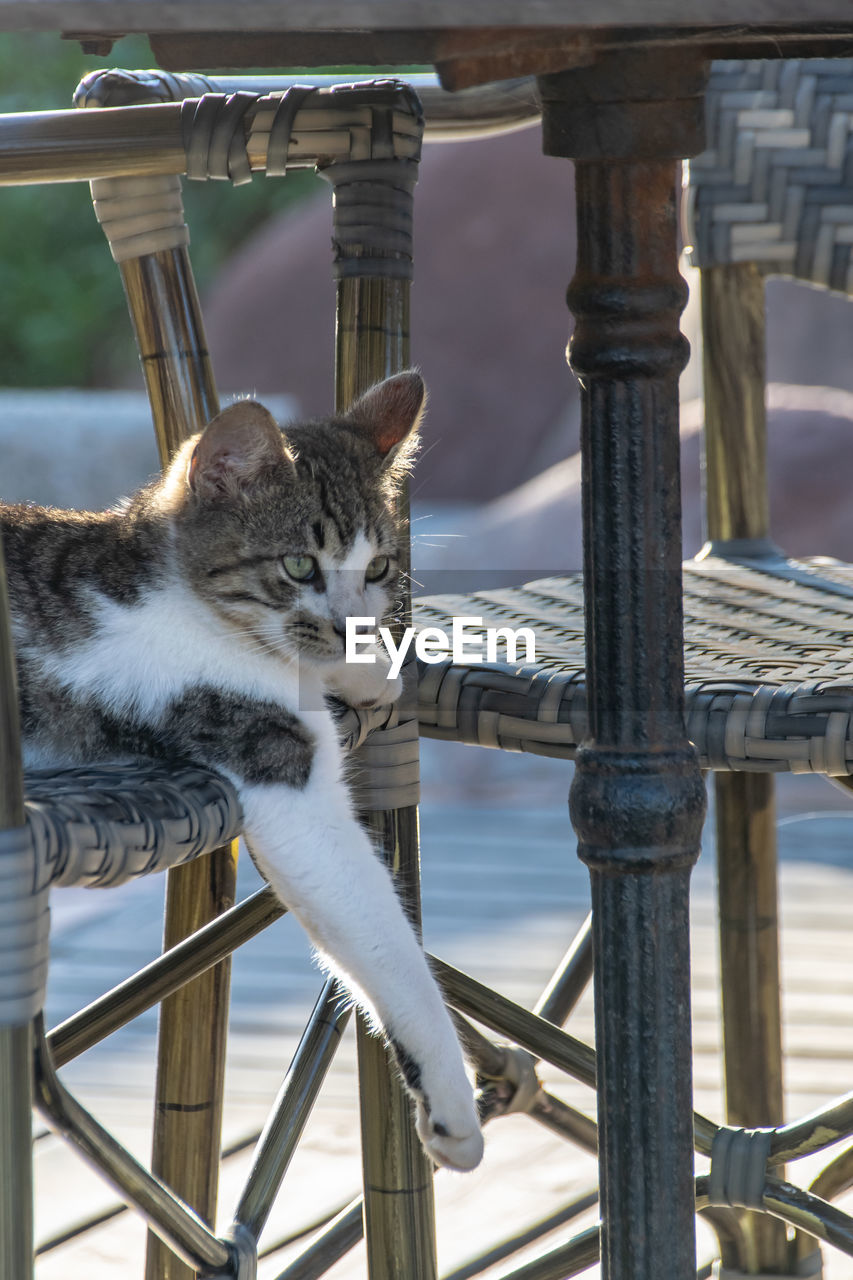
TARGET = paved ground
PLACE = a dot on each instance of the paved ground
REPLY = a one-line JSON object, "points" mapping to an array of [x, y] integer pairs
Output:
{"points": [[503, 893]]}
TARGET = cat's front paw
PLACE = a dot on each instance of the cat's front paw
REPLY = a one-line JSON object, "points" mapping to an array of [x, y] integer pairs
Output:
{"points": [[445, 1112], [452, 1141], [365, 685]]}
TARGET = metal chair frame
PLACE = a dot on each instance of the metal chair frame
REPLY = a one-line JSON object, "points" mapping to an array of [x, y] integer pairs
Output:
{"points": [[164, 310]]}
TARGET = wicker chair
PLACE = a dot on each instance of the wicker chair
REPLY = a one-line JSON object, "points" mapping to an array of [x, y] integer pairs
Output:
{"points": [[104, 826], [759, 700]]}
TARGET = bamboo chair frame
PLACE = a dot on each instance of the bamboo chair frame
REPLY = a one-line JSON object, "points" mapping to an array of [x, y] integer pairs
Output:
{"points": [[399, 1226]]}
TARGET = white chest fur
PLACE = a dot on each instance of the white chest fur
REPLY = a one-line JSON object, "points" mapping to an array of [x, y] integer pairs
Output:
{"points": [[143, 656]]}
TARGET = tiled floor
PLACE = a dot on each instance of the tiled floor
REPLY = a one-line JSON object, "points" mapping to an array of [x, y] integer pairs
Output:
{"points": [[503, 894]]}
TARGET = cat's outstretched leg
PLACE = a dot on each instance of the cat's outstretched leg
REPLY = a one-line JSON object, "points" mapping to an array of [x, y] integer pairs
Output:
{"points": [[319, 860]]}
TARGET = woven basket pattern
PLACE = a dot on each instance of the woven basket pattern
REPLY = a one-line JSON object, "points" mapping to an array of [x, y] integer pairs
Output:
{"points": [[102, 825], [769, 668], [775, 186]]}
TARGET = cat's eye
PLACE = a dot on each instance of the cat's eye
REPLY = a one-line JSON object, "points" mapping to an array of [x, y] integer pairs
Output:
{"points": [[301, 568], [377, 569]]}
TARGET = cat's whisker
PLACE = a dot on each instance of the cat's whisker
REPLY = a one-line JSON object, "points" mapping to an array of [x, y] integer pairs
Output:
{"points": [[257, 645], [419, 537], [425, 454], [265, 642], [267, 636], [259, 629]]}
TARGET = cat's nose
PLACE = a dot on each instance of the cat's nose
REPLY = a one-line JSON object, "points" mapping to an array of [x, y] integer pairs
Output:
{"points": [[339, 626]]}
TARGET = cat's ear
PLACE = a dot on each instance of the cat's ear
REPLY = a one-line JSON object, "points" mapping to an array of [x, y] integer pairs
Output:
{"points": [[389, 414], [236, 447]]}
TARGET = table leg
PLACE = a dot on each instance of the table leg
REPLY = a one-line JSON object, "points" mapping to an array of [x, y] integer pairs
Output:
{"points": [[637, 801]]}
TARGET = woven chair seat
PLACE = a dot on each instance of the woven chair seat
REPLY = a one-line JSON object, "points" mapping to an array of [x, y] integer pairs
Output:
{"points": [[103, 825], [768, 656], [769, 672]]}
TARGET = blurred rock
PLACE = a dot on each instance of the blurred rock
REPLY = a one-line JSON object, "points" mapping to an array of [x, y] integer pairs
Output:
{"points": [[494, 252], [809, 336], [536, 528]]}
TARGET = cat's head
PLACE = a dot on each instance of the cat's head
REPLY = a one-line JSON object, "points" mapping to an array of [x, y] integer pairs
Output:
{"points": [[286, 533]]}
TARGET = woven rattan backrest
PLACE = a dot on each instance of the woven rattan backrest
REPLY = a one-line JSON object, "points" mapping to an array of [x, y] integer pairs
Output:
{"points": [[775, 186], [771, 195]]}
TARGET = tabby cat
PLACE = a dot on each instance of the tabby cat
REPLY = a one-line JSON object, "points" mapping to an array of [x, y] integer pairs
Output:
{"points": [[204, 619]]}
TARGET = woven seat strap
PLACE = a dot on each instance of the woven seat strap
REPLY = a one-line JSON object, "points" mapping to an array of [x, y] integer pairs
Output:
{"points": [[214, 137], [387, 768], [739, 1167], [737, 1180], [774, 185], [373, 217], [140, 215], [384, 768], [24, 930], [281, 128]]}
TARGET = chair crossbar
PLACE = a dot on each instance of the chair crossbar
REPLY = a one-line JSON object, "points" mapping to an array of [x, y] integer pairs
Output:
{"points": [[170, 971], [331, 126], [168, 1216]]}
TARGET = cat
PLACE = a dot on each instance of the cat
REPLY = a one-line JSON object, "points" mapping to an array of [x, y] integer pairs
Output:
{"points": [[204, 619]]}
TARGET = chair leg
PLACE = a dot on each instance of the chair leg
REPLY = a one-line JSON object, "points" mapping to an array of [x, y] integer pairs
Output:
{"points": [[372, 341], [749, 964], [738, 520], [399, 1202], [16, 1164], [191, 1056], [16, 1178], [737, 507], [399, 1206], [194, 1021]]}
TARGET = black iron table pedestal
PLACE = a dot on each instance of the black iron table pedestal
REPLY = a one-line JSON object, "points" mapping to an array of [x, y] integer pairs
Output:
{"points": [[637, 801]]}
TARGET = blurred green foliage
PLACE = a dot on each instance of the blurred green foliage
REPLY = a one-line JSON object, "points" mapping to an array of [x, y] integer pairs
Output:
{"points": [[63, 320]]}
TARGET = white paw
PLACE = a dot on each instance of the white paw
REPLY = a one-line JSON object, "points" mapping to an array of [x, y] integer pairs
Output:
{"points": [[393, 689], [445, 1112], [366, 684], [457, 1145]]}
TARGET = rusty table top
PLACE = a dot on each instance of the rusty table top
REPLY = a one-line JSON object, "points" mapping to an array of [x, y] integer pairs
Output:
{"points": [[469, 41]]}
